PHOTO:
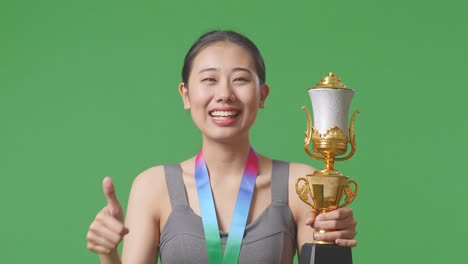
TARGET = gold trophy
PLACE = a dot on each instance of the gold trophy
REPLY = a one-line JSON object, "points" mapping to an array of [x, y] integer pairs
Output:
{"points": [[330, 137]]}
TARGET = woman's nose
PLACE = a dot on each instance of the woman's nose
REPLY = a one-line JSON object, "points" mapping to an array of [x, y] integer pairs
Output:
{"points": [[224, 92]]}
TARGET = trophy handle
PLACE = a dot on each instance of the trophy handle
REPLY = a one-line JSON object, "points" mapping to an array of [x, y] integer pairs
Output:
{"points": [[350, 193], [352, 139], [308, 135], [303, 191]]}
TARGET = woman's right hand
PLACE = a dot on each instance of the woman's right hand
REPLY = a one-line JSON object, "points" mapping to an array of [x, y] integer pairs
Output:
{"points": [[107, 229]]}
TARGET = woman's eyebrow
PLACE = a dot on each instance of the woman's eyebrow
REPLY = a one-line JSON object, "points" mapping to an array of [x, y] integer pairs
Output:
{"points": [[207, 69], [242, 69], [233, 70]]}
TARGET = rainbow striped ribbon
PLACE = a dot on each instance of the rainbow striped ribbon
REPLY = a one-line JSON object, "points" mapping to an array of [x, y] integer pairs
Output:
{"points": [[241, 211]]}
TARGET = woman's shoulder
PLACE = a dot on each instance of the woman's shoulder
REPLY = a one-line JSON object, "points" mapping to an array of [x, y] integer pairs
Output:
{"points": [[151, 175], [155, 177], [149, 186], [297, 169]]}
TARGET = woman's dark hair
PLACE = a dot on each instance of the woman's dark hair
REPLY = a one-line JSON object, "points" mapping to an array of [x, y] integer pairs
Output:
{"points": [[223, 35]]}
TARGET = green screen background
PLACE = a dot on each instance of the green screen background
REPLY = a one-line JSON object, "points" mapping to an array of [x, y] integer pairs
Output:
{"points": [[89, 89]]}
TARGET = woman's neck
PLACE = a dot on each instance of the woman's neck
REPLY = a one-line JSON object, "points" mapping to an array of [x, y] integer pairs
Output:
{"points": [[225, 159]]}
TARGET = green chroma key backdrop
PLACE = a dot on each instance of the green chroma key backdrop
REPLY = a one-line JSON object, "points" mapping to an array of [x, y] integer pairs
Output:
{"points": [[89, 89]]}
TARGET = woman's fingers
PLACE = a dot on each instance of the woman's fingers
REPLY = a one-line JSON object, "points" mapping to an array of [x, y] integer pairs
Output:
{"points": [[346, 223], [111, 223], [104, 242], [339, 226], [310, 218], [102, 239], [339, 219], [113, 204], [334, 235], [107, 229], [103, 230], [346, 242], [105, 234], [337, 214]]}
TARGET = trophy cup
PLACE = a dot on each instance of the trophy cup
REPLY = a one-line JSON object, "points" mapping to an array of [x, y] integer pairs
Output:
{"points": [[330, 137]]}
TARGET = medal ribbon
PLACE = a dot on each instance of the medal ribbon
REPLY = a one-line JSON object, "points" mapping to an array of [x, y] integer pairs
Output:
{"points": [[241, 211]]}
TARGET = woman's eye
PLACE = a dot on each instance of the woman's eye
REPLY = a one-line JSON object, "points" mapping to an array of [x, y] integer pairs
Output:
{"points": [[241, 79], [211, 80]]}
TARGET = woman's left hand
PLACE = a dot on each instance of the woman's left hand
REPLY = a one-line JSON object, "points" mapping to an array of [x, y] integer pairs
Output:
{"points": [[339, 224]]}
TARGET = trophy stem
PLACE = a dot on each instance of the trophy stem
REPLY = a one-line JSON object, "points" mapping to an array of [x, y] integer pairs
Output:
{"points": [[329, 161]]}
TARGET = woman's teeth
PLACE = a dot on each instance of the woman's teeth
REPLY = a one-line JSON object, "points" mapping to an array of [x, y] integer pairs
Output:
{"points": [[224, 113]]}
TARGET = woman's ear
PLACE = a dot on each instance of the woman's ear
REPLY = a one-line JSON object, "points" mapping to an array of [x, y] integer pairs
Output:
{"points": [[264, 91], [183, 90]]}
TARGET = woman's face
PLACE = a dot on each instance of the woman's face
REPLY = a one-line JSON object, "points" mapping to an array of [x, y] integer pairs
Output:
{"points": [[223, 91]]}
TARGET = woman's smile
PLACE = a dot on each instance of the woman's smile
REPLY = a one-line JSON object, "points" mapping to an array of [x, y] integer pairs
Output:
{"points": [[224, 116]]}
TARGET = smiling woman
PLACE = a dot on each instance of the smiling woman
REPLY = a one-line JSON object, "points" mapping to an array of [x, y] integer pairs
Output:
{"points": [[223, 91], [227, 203]]}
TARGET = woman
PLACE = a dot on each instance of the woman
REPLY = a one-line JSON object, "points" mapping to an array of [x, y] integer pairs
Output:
{"points": [[223, 86]]}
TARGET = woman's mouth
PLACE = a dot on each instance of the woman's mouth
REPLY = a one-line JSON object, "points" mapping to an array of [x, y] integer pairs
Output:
{"points": [[224, 117], [224, 114]]}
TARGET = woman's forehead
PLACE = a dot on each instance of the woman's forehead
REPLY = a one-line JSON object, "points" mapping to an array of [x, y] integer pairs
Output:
{"points": [[223, 56]]}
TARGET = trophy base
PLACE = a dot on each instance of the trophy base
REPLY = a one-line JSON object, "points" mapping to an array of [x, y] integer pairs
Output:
{"points": [[325, 254]]}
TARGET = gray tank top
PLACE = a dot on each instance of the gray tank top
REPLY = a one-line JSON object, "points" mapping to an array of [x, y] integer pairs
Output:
{"points": [[271, 238]]}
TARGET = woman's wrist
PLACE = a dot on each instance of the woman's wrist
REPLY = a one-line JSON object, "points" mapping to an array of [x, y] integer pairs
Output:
{"points": [[111, 258]]}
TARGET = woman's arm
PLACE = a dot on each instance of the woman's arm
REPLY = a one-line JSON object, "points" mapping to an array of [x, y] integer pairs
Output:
{"points": [[141, 228], [147, 195], [300, 210]]}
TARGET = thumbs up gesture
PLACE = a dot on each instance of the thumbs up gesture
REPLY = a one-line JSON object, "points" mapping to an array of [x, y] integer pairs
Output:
{"points": [[107, 229]]}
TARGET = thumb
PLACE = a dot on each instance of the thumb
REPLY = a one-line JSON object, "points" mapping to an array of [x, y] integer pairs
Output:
{"points": [[112, 202], [310, 218]]}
